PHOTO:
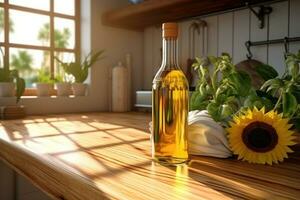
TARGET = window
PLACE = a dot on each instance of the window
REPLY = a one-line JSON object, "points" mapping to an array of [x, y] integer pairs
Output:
{"points": [[34, 32]]}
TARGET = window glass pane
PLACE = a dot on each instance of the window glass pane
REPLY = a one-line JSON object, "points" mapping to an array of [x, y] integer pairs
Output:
{"points": [[29, 28], [64, 36], [37, 4], [66, 7], [29, 62], [1, 25], [58, 70]]}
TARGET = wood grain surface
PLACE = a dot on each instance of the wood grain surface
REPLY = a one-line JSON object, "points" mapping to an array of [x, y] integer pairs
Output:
{"points": [[107, 156]]}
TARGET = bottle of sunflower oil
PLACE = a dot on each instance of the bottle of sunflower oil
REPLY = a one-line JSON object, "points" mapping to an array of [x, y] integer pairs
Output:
{"points": [[170, 96]]}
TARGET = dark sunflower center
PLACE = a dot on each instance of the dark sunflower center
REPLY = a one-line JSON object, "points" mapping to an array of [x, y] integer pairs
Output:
{"points": [[260, 137]]}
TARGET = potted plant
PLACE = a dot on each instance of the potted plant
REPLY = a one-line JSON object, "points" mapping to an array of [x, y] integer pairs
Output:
{"points": [[11, 84], [44, 83], [63, 86], [246, 112], [80, 71], [8, 80]]}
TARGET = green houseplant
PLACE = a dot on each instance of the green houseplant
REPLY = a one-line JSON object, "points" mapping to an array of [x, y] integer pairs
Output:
{"points": [[8, 80], [44, 83], [63, 86], [286, 89], [224, 91], [221, 90], [80, 71]]}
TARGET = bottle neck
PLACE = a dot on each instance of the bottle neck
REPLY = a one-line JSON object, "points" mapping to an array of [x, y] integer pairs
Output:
{"points": [[170, 60]]}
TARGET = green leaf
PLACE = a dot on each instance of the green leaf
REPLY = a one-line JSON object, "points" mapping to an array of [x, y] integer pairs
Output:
{"points": [[20, 83], [44, 76], [213, 110], [289, 104], [266, 95], [241, 81], [80, 70], [275, 83], [292, 62], [198, 101], [296, 123], [249, 101], [296, 93], [220, 112], [266, 72], [5, 75], [226, 111]]}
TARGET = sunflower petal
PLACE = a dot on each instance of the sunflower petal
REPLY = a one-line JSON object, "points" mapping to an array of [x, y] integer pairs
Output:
{"points": [[272, 118]]}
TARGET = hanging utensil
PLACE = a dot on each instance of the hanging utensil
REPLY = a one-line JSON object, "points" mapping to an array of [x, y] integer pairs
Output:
{"points": [[250, 66]]}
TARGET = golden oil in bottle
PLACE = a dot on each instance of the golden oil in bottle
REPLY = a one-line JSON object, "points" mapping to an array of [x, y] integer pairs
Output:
{"points": [[170, 93]]}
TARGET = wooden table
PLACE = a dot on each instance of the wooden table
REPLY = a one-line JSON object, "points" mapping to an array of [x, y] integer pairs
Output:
{"points": [[107, 156]]}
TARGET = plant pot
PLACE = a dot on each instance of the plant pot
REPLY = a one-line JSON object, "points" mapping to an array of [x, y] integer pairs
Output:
{"points": [[7, 89], [63, 89], [43, 89], [79, 89]]}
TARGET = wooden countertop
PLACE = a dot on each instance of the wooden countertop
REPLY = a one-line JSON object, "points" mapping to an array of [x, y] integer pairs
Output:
{"points": [[107, 156]]}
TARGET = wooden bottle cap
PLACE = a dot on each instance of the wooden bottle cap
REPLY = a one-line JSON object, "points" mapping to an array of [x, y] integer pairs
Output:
{"points": [[169, 30]]}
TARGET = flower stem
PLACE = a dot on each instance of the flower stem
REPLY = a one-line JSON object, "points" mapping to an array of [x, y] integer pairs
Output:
{"points": [[278, 101]]}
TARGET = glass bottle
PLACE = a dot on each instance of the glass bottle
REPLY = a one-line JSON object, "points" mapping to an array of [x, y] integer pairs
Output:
{"points": [[170, 96]]}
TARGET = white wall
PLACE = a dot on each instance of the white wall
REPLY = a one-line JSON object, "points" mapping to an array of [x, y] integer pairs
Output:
{"points": [[228, 33], [116, 42]]}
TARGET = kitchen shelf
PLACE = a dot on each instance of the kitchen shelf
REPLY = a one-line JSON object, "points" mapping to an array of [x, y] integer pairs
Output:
{"points": [[155, 12]]}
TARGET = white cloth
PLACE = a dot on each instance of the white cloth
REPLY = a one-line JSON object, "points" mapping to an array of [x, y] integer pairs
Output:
{"points": [[206, 137]]}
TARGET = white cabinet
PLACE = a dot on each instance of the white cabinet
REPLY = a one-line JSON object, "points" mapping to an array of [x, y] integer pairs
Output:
{"points": [[6, 182], [17, 187]]}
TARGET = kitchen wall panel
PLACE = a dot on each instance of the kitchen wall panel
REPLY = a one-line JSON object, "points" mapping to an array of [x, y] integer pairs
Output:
{"points": [[278, 28], [228, 32], [294, 27], [256, 34], [225, 33], [212, 39], [241, 34]]}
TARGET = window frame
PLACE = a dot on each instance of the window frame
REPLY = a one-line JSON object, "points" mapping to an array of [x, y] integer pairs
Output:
{"points": [[51, 48]]}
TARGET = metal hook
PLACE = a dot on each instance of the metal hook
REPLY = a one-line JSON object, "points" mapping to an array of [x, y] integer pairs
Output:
{"points": [[248, 46], [261, 13]]}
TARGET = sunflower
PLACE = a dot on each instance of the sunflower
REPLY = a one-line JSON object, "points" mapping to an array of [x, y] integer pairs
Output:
{"points": [[259, 137]]}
